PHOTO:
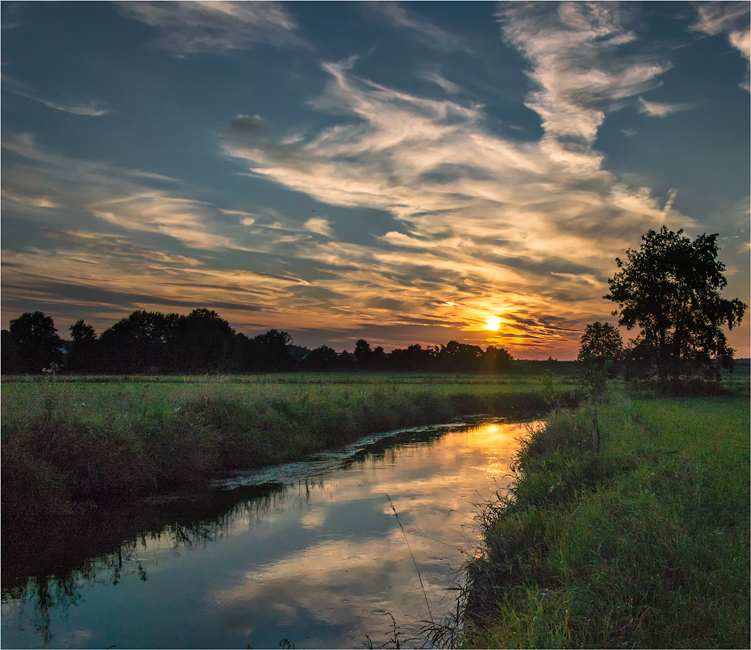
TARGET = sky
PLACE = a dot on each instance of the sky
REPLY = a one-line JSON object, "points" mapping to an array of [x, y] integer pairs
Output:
{"points": [[399, 172]]}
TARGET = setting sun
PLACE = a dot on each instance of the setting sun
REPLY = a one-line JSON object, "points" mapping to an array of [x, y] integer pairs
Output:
{"points": [[493, 323]]}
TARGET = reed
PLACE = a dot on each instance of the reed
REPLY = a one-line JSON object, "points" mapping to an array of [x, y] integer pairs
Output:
{"points": [[419, 576]]}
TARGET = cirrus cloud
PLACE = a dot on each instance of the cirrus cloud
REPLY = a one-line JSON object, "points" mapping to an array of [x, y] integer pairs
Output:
{"points": [[216, 27], [525, 230]]}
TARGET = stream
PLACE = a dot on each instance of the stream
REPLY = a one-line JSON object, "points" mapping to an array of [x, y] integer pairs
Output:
{"points": [[308, 554]]}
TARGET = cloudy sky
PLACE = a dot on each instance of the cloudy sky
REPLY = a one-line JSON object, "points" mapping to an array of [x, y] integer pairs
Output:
{"points": [[404, 173]]}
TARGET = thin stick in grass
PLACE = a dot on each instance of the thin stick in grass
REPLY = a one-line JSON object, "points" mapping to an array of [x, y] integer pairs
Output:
{"points": [[422, 586]]}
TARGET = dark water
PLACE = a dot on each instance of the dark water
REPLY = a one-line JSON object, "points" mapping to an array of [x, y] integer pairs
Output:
{"points": [[310, 552]]}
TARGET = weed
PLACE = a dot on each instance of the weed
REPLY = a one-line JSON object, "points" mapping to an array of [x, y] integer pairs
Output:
{"points": [[413, 558]]}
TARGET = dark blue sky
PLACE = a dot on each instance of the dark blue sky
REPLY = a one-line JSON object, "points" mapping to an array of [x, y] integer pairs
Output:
{"points": [[413, 172]]}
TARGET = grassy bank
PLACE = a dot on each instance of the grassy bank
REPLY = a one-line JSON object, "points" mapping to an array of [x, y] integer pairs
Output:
{"points": [[69, 440], [646, 545]]}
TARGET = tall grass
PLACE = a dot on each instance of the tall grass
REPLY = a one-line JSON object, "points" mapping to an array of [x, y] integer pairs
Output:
{"points": [[65, 440], [645, 545]]}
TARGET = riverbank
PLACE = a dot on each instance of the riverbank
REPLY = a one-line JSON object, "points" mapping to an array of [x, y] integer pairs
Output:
{"points": [[72, 441], [646, 545]]}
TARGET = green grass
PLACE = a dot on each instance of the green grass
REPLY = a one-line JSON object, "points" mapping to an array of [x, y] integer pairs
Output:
{"points": [[128, 400], [68, 439], [646, 545]]}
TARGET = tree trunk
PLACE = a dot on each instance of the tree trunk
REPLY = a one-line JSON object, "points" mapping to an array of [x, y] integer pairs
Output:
{"points": [[595, 431]]}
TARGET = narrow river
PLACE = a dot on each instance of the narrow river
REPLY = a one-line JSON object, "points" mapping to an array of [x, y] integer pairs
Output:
{"points": [[309, 554]]}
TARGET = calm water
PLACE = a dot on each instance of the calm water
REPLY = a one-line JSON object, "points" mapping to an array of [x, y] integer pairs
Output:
{"points": [[310, 552]]}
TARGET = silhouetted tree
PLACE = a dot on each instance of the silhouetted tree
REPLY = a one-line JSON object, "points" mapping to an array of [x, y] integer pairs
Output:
{"points": [[378, 359], [83, 354], [670, 289], [202, 342], [601, 343], [323, 358], [600, 348], [363, 354], [138, 343], [459, 357], [9, 353], [268, 352], [495, 360], [414, 358], [34, 343], [346, 361]]}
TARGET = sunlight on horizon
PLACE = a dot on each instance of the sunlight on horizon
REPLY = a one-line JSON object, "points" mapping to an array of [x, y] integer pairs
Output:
{"points": [[493, 323]]}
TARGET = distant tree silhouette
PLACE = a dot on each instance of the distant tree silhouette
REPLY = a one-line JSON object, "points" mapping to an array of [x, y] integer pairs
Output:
{"points": [[34, 344], [321, 359], [378, 359], [138, 343], [363, 354], [346, 361], [268, 352], [495, 360], [83, 355], [202, 342], [412, 359], [459, 357], [80, 332], [9, 361]]}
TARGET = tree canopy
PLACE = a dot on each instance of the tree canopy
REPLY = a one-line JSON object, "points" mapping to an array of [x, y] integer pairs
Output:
{"points": [[601, 342], [32, 343], [670, 289]]}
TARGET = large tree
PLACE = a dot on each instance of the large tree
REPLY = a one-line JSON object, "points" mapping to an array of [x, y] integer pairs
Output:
{"points": [[83, 355], [35, 342], [670, 289], [600, 343]]}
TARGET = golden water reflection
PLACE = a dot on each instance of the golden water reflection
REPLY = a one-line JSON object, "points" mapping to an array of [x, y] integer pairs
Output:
{"points": [[323, 563], [351, 576]]}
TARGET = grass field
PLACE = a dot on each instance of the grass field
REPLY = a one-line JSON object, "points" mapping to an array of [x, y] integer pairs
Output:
{"points": [[71, 439], [646, 545], [128, 400]]}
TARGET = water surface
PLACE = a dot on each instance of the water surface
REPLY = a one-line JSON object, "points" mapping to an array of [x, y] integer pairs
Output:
{"points": [[309, 552]]}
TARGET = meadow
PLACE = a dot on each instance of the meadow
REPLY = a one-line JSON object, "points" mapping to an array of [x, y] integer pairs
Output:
{"points": [[67, 440], [643, 545]]}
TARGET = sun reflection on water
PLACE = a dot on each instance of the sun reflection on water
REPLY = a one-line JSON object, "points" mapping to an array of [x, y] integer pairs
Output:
{"points": [[321, 562]]}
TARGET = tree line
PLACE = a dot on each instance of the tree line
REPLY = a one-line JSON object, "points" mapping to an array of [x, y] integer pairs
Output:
{"points": [[203, 342], [669, 289]]}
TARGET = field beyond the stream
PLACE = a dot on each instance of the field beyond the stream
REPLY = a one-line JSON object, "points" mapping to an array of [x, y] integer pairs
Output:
{"points": [[67, 440]]}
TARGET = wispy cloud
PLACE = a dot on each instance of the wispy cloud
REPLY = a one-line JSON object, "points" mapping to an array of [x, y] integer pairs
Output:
{"points": [[579, 63], [318, 225], [672, 194], [449, 86], [527, 231], [90, 109], [657, 109], [216, 27], [110, 193], [730, 19], [428, 33]]}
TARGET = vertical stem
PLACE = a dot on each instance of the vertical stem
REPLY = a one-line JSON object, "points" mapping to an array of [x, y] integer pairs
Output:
{"points": [[595, 430]]}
